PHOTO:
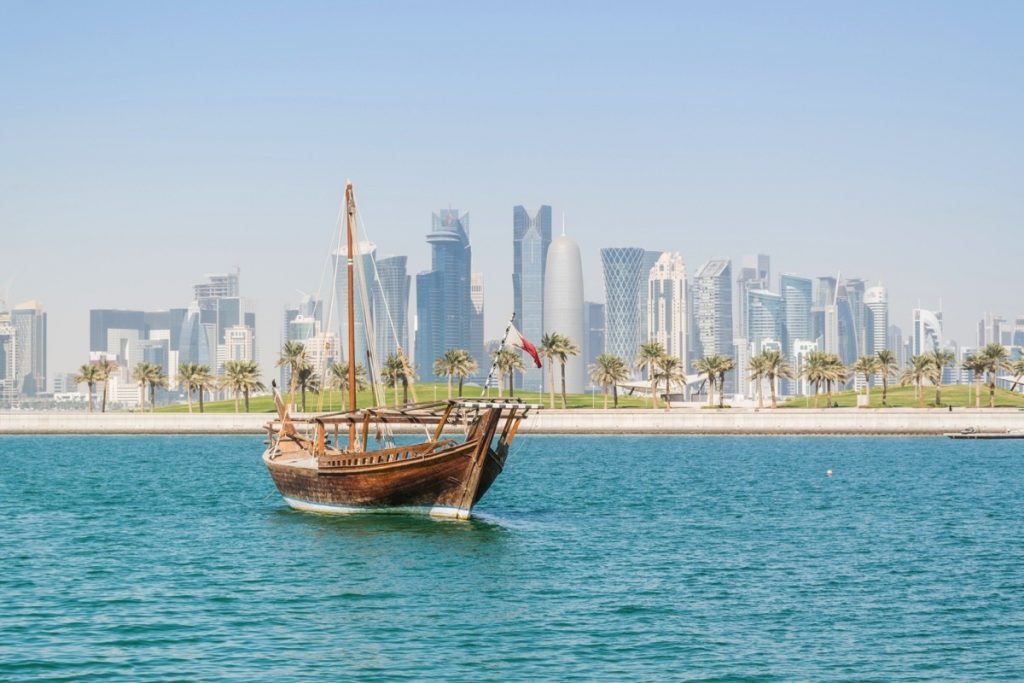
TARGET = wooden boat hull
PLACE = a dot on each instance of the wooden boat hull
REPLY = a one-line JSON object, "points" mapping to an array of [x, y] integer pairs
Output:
{"points": [[442, 484]]}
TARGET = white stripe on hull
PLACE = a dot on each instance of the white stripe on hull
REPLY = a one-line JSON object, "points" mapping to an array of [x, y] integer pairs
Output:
{"points": [[445, 511]]}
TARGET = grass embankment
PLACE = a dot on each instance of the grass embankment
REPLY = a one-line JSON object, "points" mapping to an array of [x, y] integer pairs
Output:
{"points": [[332, 400], [956, 395]]}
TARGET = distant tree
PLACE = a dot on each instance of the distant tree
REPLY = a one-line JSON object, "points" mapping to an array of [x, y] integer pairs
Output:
{"points": [[445, 366], [393, 372], [670, 370], [824, 368], [887, 367], [293, 356], [105, 368], [708, 366], [976, 364], [758, 368], [776, 368], [563, 350], [546, 350], [188, 374], [608, 371], [338, 379], [242, 377], [465, 365], [867, 367], [90, 376], [307, 380], [507, 362], [996, 358], [919, 370], [940, 358], [1018, 373], [149, 375], [648, 357]]}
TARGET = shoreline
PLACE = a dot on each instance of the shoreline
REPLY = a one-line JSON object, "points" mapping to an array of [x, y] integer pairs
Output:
{"points": [[734, 421]]}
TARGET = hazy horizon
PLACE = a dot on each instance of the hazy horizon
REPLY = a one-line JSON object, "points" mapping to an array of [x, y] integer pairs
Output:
{"points": [[145, 146]]}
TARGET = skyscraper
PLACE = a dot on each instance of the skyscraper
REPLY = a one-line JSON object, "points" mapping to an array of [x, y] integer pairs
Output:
{"points": [[849, 347], [623, 280], [391, 307], [990, 330], [855, 295], [8, 360], [216, 307], [563, 308], [650, 258], [712, 296], [796, 303], [29, 323], [444, 306], [876, 319], [667, 316], [593, 326], [476, 327], [755, 274], [765, 319], [531, 239], [927, 331]]}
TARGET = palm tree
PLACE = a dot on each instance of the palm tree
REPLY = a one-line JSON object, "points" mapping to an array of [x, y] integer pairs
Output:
{"points": [[293, 356], [725, 364], [546, 350], [977, 365], [867, 366], [758, 368], [920, 369], [1018, 373], [203, 381], [151, 375], [242, 377], [445, 365], [188, 376], [89, 375], [647, 359], [566, 347], [105, 368], [996, 358], [307, 380], [508, 362], [338, 378], [465, 366], [887, 367], [608, 371], [940, 359], [669, 370], [708, 365], [816, 370], [776, 368], [393, 372], [140, 374]]}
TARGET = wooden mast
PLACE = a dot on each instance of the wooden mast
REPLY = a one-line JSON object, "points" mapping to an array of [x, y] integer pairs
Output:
{"points": [[350, 208]]}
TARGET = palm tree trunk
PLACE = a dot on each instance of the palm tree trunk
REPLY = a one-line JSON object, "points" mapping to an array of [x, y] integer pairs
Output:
{"points": [[551, 381], [202, 390], [303, 398], [771, 386], [992, 389], [103, 409], [977, 390], [247, 399], [817, 393], [938, 394], [152, 397], [885, 389], [91, 388], [606, 397], [668, 389], [760, 393], [461, 378], [449, 387], [188, 393], [710, 383], [920, 394], [563, 386], [501, 383], [867, 387], [236, 400], [512, 383], [615, 394], [828, 392]]}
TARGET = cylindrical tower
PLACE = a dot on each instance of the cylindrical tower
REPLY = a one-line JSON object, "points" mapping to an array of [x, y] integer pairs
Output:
{"points": [[563, 307]]}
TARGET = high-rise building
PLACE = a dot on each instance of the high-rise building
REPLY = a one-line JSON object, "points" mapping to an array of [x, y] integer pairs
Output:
{"points": [[990, 330], [8, 360], [215, 308], [364, 299], [531, 239], [444, 306], [29, 323], [765, 318], [848, 340], [927, 331], [712, 296], [826, 292], [895, 343], [593, 326], [796, 304], [667, 316], [476, 327], [876, 319], [623, 280], [563, 308], [801, 349], [754, 274], [1018, 332], [855, 288], [391, 307], [649, 259]]}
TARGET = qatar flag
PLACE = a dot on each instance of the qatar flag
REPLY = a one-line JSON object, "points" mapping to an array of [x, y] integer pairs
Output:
{"points": [[516, 339]]}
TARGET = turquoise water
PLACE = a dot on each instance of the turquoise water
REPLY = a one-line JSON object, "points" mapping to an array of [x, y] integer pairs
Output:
{"points": [[173, 558]]}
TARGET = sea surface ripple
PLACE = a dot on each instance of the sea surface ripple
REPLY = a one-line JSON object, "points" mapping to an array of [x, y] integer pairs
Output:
{"points": [[600, 558]]}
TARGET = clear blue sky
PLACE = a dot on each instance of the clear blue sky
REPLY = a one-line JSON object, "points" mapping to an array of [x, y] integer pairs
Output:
{"points": [[144, 144]]}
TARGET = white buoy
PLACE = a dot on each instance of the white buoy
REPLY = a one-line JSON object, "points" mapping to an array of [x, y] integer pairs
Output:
{"points": [[828, 473]]}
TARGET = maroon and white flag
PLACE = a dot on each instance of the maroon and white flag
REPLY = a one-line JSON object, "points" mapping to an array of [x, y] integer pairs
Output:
{"points": [[516, 339]]}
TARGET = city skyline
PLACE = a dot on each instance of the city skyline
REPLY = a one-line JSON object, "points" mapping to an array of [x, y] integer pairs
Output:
{"points": [[834, 141]]}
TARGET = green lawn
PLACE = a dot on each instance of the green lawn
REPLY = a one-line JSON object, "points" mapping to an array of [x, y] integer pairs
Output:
{"points": [[956, 395], [424, 392]]}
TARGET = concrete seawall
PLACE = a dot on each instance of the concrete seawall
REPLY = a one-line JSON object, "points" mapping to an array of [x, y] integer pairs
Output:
{"points": [[892, 421]]}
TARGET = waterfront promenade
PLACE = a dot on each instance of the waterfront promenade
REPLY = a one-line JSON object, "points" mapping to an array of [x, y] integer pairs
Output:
{"points": [[893, 421]]}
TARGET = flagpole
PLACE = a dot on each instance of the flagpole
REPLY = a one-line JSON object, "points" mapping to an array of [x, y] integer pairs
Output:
{"points": [[501, 347]]}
